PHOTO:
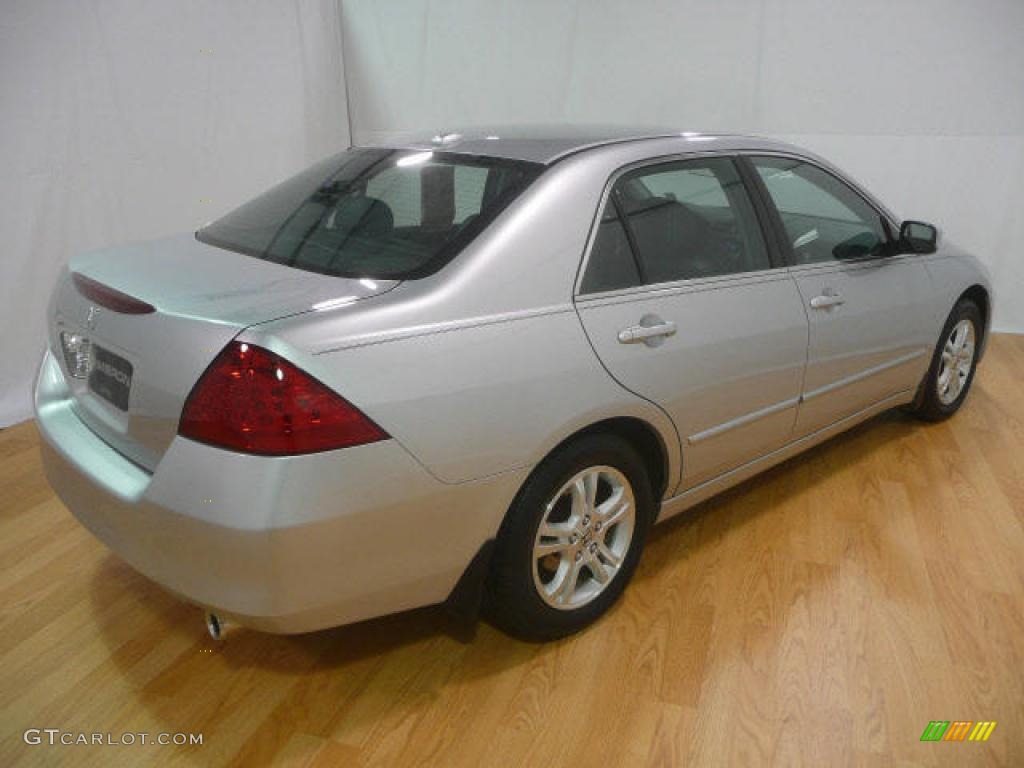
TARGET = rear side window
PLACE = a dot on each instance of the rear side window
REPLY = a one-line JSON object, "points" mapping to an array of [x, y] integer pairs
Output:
{"points": [[612, 264], [676, 221], [824, 219], [374, 213]]}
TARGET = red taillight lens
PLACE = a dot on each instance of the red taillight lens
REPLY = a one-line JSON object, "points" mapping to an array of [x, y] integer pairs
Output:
{"points": [[254, 401]]}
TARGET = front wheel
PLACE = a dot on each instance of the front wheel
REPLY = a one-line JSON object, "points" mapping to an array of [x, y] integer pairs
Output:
{"points": [[953, 365], [571, 540]]}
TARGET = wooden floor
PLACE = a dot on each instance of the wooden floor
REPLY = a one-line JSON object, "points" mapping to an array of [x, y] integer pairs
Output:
{"points": [[821, 614]]}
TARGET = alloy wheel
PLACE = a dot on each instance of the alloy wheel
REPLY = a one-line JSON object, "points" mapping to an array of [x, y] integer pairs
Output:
{"points": [[583, 537], [957, 361]]}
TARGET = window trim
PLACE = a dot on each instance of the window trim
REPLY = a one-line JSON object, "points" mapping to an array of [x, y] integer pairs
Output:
{"points": [[746, 158], [627, 230], [776, 257]]}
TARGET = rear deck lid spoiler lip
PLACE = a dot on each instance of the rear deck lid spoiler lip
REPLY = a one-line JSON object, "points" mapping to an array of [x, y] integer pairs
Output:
{"points": [[110, 298]]}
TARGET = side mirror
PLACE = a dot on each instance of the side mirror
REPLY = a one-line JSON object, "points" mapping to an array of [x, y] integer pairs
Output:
{"points": [[918, 237]]}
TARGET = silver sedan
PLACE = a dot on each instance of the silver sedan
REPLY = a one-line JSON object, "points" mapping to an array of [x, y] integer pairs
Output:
{"points": [[476, 367]]}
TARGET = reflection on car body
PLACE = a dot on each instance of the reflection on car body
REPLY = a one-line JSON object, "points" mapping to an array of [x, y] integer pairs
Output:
{"points": [[478, 367]]}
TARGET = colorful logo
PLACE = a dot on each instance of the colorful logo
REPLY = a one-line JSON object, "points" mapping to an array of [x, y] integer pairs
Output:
{"points": [[958, 730]]}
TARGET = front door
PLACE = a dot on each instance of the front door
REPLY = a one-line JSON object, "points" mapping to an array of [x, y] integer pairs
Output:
{"points": [[685, 307], [868, 310]]}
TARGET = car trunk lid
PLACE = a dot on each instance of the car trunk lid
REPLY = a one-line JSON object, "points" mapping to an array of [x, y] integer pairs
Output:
{"points": [[144, 363]]}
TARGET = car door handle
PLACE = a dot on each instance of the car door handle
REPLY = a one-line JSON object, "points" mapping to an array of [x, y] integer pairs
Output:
{"points": [[636, 333], [827, 300]]}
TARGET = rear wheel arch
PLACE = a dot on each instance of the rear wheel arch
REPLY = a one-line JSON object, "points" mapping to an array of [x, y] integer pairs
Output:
{"points": [[649, 443], [513, 598], [642, 436]]}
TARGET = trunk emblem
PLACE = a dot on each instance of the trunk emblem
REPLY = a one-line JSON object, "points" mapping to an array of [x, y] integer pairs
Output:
{"points": [[91, 318]]}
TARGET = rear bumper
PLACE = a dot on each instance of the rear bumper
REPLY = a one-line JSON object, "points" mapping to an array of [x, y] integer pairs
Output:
{"points": [[279, 544]]}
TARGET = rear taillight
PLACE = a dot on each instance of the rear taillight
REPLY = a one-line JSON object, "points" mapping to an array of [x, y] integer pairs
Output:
{"points": [[254, 401]]}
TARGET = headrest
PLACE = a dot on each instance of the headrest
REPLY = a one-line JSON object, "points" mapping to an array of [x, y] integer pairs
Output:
{"points": [[365, 215]]}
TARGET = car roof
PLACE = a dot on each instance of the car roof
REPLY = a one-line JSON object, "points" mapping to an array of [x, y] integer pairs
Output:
{"points": [[548, 144]]}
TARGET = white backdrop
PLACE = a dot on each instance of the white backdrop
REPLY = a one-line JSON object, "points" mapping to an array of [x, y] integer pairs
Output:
{"points": [[120, 120], [922, 100]]}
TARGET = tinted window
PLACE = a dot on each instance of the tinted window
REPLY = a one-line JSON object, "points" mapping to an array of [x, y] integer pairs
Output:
{"points": [[470, 183], [824, 219], [687, 220], [374, 213], [611, 264]]}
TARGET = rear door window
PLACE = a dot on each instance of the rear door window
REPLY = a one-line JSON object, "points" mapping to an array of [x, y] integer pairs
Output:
{"points": [[683, 220], [612, 264]]}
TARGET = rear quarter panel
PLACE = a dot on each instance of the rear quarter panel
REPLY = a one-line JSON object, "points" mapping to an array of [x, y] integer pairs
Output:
{"points": [[487, 396]]}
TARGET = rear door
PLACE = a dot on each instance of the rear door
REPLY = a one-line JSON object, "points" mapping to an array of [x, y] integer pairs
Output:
{"points": [[869, 311], [685, 306]]}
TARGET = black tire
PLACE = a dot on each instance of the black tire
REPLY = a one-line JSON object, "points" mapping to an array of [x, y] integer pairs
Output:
{"points": [[929, 405], [512, 600]]}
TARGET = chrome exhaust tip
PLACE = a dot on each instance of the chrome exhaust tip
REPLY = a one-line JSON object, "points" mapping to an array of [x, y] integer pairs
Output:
{"points": [[215, 626]]}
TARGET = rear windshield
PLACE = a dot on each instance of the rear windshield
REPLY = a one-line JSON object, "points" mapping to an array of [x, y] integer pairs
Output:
{"points": [[377, 213]]}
